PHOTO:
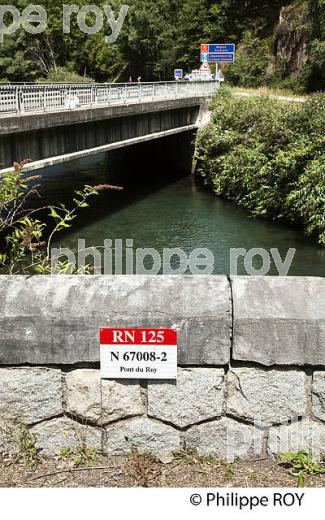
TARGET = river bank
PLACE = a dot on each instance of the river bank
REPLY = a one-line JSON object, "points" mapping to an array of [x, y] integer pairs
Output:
{"points": [[268, 157]]}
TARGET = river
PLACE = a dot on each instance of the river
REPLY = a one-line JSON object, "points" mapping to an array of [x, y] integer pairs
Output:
{"points": [[162, 209]]}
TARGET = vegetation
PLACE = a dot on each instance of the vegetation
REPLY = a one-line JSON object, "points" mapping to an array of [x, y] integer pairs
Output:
{"points": [[251, 66], [142, 467], [28, 451], [190, 456], [63, 75], [302, 465], [80, 455], [25, 237], [157, 36], [268, 157]]}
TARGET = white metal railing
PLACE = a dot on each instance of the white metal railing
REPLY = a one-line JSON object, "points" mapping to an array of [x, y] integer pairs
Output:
{"points": [[26, 98]]}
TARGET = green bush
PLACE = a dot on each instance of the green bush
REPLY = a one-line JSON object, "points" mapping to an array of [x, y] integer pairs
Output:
{"points": [[64, 75], [268, 157]]}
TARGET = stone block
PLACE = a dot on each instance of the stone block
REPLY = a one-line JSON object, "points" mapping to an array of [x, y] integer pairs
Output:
{"points": [[225, 439], [266, 396], [8, 438], [142, 434], [198, 395], [279, 321], [116, 400], [318, 395], [56, 319], [30, 395], [298, 436], [54, 436]]}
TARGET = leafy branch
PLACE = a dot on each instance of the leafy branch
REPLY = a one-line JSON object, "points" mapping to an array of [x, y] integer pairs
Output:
{"points": [[27, 239]]}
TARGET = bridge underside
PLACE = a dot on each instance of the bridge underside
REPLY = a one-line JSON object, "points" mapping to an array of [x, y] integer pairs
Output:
{"points": [[172, 155], [49, 139]]}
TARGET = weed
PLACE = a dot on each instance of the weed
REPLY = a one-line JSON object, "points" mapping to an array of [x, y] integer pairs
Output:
{"points": [[187, 456], [143, 467], [229, 472], [84, 456], [79, 452], [211, 460], [301, 466], [27, 445], [80, 455], [190, 456], [66, 453], [253, 475]]}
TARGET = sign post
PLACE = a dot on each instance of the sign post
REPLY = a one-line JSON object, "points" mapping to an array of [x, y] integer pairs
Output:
{"points": [[138, 354]]}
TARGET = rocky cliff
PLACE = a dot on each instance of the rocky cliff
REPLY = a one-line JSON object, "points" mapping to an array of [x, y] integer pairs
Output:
{"points": [[292, 37]]}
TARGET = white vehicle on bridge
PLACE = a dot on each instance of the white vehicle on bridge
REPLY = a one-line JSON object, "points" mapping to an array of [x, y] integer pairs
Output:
{"points": [[198, 75]]}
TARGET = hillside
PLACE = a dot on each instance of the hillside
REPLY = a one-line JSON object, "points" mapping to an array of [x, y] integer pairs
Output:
{"points": [[279, 43]]}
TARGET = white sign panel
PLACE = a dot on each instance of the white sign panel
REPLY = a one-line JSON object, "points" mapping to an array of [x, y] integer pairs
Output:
{"points": [[205, 67], [220, 76], [138, 354]]}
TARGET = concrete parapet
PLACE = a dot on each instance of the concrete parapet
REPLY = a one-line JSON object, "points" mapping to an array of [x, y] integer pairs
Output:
{"points": [[56, 320], [279, 321]]}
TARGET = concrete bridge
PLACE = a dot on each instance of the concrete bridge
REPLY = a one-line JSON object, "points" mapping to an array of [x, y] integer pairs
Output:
{"points": [[52, 124]]}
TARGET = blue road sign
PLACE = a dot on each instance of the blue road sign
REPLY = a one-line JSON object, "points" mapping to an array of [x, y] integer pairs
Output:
{"points": [[178, 73], [218, 52], [216, 57], [222, 48]]}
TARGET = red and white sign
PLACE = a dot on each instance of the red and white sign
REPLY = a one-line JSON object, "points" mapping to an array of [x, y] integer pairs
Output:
{"points": [[205, 67], [138, 353], [204, 48]]}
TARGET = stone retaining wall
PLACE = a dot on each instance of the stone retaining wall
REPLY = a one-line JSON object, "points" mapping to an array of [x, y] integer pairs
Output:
{"points": [[251, 381]]}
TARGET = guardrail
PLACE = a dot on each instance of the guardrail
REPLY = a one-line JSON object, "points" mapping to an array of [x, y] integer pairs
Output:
{"points": [[21, 99]]}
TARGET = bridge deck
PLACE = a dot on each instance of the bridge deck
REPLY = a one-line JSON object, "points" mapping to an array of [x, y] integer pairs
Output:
{"points": [[35, 99]]}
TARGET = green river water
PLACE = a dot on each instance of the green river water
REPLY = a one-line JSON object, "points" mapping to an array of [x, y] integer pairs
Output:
{"points": [[162, 209]]}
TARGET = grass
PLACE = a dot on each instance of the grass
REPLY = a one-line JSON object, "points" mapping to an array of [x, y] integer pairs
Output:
{"points": [[267, 91], [229, 472]]}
